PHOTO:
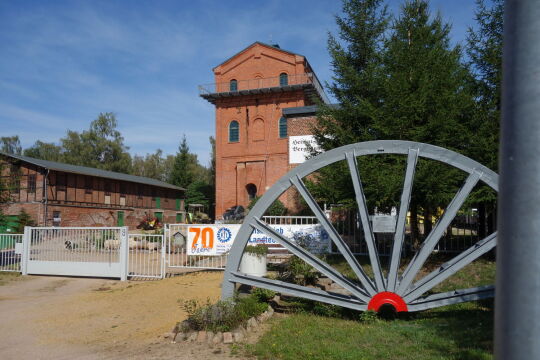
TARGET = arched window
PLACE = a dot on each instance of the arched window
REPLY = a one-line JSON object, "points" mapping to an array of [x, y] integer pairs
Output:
{"points": [[282, 128], [234, 131], [251, 191], [283, 79], [233, 85]]}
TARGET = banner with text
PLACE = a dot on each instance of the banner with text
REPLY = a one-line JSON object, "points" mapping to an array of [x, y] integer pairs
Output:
{"points": [[214, 240]]}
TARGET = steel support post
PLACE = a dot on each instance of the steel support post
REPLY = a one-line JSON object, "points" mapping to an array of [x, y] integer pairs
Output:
{"points": [[517, 310]]}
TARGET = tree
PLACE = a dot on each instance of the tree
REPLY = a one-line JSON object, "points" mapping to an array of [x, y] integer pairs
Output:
{"points": [[101, 146], [484, 47], [152, 166], [199, 192], [356, 63], [357, 86], [181, 174], [10, 145], [45, 151]]}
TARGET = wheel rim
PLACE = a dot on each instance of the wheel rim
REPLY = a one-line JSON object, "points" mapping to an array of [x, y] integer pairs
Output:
{"points": [[396, 289]]}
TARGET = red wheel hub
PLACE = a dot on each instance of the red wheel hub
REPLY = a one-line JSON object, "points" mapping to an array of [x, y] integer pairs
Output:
{"points": [[387, 298]]}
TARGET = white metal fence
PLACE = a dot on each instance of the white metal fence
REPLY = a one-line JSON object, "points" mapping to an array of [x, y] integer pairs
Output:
{"points": [[75, 251], [10, 252], [146, 256]]}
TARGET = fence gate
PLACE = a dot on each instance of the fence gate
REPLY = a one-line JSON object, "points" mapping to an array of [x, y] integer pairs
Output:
{"points": [[146, 256], [76, 251], [10, 252]]}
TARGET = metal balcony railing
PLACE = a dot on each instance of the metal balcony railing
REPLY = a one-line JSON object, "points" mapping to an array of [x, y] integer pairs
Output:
{"points": [[264, 83]]}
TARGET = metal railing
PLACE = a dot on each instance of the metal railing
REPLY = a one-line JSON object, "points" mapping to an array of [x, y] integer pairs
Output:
{"points": [[290, 220], [263, 83], [10, 252], [146, 256]]}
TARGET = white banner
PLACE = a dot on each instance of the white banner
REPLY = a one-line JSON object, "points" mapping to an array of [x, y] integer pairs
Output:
{"points": [[298, 150], [213, 240]]}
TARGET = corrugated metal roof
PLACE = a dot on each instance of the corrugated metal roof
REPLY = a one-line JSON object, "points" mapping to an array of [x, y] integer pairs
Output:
{"points": [[83, 170]]}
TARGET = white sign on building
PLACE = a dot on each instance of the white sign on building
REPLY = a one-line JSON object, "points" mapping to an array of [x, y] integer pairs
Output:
{"points": [[298, 148]]}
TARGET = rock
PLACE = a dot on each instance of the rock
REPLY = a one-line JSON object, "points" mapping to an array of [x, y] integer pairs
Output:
{"points": [[260, 318], [201, 336], [217, 338], [238, 335], [270, 310], [252, 323], [168, 335], [210, 337], [192, 336], [324, 281], [228, 338]]}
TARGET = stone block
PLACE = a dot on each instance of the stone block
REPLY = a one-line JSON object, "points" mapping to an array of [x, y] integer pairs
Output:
{"points": [[201, 336], [228, 338], [218, 337]]}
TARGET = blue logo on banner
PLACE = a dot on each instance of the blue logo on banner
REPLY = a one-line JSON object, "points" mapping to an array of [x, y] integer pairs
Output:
{"points": [[224, 235]]}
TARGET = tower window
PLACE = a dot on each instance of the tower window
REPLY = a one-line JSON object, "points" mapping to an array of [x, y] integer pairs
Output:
{"points": [[234, 131], [282, 128], [283, 79], [233, 85]]}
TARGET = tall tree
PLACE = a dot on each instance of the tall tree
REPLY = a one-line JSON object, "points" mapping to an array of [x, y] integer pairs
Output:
{"points": [[484, 47], [357, 86], [101, 146], [10, 145], [45, 151], [152, 165], [356, 63], [182, 174]]}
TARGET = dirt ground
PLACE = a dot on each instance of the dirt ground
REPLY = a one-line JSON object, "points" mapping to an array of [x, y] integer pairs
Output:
{"points": [[66, 318]]}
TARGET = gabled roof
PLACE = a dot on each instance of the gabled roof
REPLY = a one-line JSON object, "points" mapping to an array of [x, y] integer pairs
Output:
{"points": [[83, 170], [259, 43]]}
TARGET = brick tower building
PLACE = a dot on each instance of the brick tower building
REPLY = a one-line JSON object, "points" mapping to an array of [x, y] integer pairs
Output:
{"points": [[252, 89]]}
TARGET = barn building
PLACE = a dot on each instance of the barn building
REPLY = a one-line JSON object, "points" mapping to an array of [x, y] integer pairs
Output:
{"points": [[264, 98], [57, 194]]}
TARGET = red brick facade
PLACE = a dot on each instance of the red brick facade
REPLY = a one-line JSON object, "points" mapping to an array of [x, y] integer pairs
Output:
{"points": [[260, 155], [57, 198]]}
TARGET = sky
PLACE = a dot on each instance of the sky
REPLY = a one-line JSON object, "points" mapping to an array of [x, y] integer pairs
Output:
{"points": [[64, 62]]}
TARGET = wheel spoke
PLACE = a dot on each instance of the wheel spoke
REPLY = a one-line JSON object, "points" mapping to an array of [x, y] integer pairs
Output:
{"points": [[434, 236], [451, 267], [399, 235], [343, 248], [312, 260], [364, 216], [300, 291], [452, 297]]}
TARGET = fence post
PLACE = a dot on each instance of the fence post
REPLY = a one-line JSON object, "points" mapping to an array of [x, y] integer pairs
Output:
{"points": [[124, 253], [26, 250], [163, 247]]}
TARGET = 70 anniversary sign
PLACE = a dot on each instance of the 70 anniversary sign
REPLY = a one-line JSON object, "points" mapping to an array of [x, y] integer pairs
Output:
{"points": [[213, 240]]}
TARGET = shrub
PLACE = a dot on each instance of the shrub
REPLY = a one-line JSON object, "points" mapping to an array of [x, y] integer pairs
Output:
{"points": [[256, 250], [263, 295], [224, 315]]}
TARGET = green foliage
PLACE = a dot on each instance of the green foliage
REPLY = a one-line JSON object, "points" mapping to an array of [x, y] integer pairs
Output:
{"points": [[24, 219], [256, 250], [224, 315], [101, 146], [263, 295], [199, 192], [45, 151], [182, 174], [10, 145], [276, 209], [368, 317]]}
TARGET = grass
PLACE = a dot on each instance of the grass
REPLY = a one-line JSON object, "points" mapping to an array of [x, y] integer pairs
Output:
{"points": [[457, 332]]}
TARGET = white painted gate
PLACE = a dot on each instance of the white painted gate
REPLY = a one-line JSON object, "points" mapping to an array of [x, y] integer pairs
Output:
{"points": [[10, 252], [76, 251]]}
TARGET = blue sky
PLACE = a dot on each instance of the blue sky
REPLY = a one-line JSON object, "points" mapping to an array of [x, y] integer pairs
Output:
{"points": [[64, 62]]}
